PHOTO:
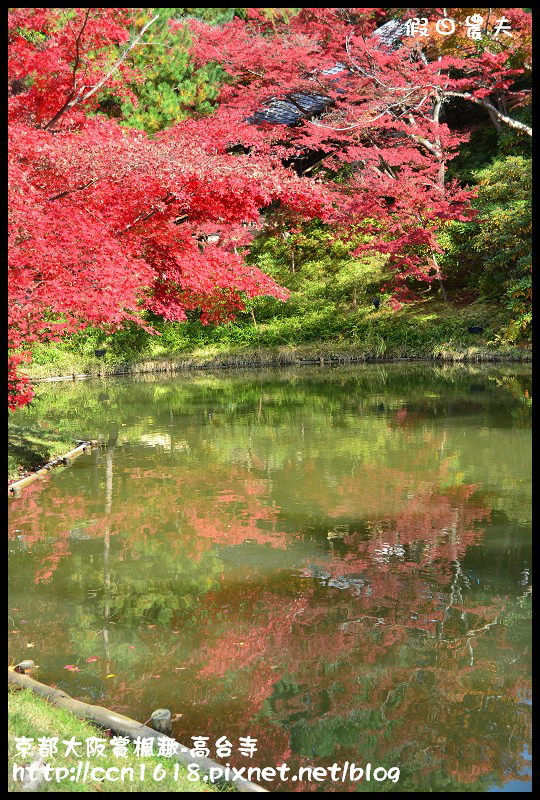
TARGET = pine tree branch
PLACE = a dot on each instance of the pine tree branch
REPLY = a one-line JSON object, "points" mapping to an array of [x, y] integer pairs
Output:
{"points": [[80, 97]]}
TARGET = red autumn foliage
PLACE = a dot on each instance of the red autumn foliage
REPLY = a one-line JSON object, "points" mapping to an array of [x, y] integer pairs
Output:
{"points": [[105, 221], [384, 113]]}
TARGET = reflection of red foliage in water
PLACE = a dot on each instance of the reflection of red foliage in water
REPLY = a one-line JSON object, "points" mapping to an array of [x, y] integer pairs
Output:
{"points": [[212, 523], [300, 636], [431, 527], [60, 514], [206, 520], [365, 606]]}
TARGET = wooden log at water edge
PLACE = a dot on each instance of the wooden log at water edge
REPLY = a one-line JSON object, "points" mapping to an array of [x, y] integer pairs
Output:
{"points": [[123, 726], [14, 489]]}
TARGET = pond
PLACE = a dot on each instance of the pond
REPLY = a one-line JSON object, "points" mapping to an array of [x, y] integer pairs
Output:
{"points": [[334, 562]]}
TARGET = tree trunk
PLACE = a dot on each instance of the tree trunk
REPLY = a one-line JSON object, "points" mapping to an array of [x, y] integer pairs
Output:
{"points": [[442, 176], [113, 438], [439, 279]]}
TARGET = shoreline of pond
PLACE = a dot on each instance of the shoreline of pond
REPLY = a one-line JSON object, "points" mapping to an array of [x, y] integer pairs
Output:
{"points": [[34, 707], [283, 357]]}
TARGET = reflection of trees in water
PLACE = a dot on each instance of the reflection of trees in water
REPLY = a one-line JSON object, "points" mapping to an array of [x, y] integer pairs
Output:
{"points": [[326, 581], [365, 677], [504, 389], [389, 635]]}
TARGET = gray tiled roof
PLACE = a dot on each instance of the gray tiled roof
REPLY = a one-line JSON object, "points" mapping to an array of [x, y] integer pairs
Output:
{"points": [[297, 106], [391, 33]]}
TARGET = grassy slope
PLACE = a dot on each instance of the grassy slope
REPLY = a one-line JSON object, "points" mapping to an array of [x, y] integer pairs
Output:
{"points": [[428, 329], [31, 716]]}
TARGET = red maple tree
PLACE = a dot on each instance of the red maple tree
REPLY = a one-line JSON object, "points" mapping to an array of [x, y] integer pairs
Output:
{"points": [[106, 221], [384, 100]]}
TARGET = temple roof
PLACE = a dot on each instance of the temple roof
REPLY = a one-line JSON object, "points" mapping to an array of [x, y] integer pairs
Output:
{"points": [[297, 106]]}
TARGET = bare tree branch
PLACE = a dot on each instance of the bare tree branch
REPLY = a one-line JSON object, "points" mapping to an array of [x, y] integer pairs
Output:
{"points": [[82, 97], [75, 68], [493, 111]]}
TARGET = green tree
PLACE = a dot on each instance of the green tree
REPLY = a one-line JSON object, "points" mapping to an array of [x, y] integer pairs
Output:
{"points": [[173, 89], [492, 254]]}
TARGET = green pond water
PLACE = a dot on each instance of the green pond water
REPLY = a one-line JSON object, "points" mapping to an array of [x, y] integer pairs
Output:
{"points": [[334, 562]]}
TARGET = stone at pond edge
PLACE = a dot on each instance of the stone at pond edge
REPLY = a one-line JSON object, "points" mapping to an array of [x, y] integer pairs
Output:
{"points": [[25, 666], [160, 720]]}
